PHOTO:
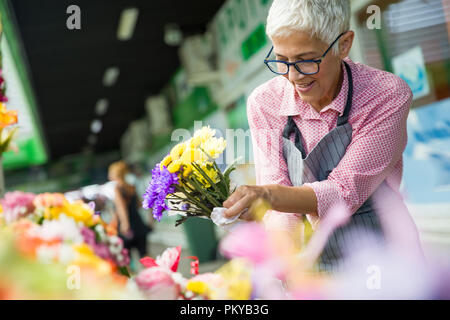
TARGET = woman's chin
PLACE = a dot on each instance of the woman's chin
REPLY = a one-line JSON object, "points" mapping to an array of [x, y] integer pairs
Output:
{"points": [[307, 97]]}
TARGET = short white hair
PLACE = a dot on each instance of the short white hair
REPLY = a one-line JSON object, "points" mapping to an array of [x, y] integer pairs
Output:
{"points": [[323, 19]]}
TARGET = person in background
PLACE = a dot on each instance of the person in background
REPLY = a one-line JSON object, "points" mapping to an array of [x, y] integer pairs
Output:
{"points": [[131, 227]]}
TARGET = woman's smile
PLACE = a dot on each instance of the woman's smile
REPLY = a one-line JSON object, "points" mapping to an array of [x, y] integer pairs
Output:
{"points": [[304, 87]]}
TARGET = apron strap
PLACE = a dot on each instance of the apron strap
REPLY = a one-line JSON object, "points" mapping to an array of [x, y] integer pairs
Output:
{"points": [[291, 127], [344, 118]]}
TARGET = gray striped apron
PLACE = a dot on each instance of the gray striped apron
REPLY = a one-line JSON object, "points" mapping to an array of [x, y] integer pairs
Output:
{"points": [[316, 166]]}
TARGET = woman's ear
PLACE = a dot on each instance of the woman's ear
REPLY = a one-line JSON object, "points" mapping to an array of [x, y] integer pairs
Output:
{"points": [[345, 44]]}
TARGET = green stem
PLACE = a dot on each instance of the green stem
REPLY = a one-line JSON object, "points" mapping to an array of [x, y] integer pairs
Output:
{"points": [[194, 213], [195, 201], [222, 178], [206, 194], [205, 175]]}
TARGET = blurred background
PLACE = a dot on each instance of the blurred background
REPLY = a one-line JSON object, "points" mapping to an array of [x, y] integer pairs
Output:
{"points": [[116, 85]]}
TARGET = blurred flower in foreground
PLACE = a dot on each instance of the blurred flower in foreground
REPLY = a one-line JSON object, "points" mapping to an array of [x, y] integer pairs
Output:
{"points": [[157, 283], [17, 204], [160, 279]]}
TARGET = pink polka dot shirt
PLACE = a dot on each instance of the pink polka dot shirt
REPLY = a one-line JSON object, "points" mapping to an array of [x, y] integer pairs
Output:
{"points": [[381, 102]]}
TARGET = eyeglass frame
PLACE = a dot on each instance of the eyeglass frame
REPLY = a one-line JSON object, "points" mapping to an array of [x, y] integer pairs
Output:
{"points": [[318, 61]]}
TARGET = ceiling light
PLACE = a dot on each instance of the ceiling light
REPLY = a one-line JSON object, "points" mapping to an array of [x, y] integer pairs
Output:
{"points": [[96, 126], [101, 107], [172, 34], [127, 23], [110, 76]]}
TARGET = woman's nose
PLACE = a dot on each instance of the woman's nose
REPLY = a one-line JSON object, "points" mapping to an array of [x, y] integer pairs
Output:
{"points": [[294, 75]]}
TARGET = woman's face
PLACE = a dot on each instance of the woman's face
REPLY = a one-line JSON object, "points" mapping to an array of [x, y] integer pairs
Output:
{"points": [[318, 89]]}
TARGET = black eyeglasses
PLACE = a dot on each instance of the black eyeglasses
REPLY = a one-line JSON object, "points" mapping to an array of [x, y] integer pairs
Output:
{"points": [[306, 67]]}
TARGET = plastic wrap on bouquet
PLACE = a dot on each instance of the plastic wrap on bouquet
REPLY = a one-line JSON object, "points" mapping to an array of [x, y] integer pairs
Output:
{"points": [[225, 223]]}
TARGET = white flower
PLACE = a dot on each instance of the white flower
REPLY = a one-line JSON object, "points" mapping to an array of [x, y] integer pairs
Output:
{"points": [[101, 232], [115, 245], [66, 254], [178, 278], [46, 254], [63, 228]]}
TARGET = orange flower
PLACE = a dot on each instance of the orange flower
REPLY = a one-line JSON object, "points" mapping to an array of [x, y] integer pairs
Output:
{"points": [[111, 229], [49, 200], [7, 117]]}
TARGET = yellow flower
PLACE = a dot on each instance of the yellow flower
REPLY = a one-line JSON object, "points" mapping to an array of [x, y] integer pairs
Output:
{"points": [[177, 151], [237, 273], [240, 289], [85, 257], [205, 133], [80, 212], [187, 169], [165, 162], [210, 172], [214, 146], [198, 287], [7, 117], [53, 212], [174, 166], [195, 142], [193, 155]]}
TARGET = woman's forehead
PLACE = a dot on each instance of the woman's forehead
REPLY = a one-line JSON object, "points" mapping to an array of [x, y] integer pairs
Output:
{"points": [[297, 45]]}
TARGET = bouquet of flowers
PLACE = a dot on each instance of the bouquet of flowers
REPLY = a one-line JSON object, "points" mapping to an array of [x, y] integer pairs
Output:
{"points": [[188, 180], [53, 230]]}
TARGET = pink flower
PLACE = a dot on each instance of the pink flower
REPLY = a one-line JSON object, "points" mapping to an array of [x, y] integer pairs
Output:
{"points": [[157, 284], [169, 259], [249, 240], [336, 217], [17, 204]]}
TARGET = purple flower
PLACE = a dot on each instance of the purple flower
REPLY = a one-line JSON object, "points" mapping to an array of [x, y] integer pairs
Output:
{"points": [[103, 249], [125, 258], [161, 185], [88, 236]]}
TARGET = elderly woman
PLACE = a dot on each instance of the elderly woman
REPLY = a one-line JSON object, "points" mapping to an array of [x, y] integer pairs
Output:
{"points": [[325, 129]]}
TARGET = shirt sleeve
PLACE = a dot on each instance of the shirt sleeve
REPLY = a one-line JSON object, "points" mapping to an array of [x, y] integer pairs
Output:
{"points": [[376, 147], [270, 165]]}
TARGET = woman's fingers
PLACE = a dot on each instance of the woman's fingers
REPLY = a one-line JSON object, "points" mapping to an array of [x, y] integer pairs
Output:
{"points": [[247, 215], [235, 196], [239, 206]]}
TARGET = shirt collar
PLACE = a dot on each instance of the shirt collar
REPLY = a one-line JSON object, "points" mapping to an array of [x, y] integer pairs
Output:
{"points": [[293, 105]]}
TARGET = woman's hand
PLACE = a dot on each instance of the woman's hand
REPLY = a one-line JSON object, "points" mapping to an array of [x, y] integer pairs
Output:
{"points": [[242, 198], [124, 228], [126, 231]]}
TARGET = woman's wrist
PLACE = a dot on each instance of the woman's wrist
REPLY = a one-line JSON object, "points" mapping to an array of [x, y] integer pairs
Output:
{"points": [[269, 193], [291, 199]]}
